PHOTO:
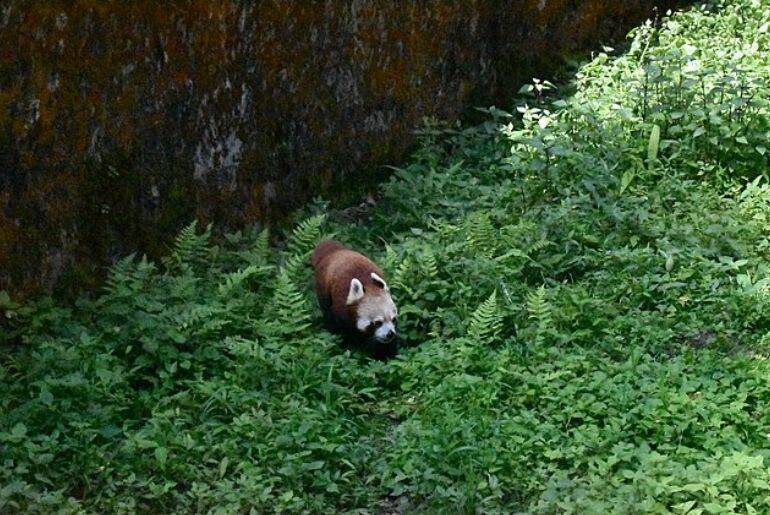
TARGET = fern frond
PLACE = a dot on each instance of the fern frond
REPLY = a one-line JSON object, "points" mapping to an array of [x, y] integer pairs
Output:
{"points": [[444, 229], [401, 276], [538, 246], [262, 241], [237, 281], [296, 266], [120, 273], [306, 235], [389, 260], [486, 321], [129, 275], [257, 252], [190, 248], [428, 264], [301, 242], [482, 237], [539, 309], [291, 310]]}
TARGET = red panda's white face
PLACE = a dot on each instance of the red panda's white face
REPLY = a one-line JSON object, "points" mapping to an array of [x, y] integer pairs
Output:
{"points": [[375, 310]]}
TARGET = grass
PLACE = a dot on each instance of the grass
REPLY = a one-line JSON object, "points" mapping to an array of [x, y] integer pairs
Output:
{"points": [[583, 285]]}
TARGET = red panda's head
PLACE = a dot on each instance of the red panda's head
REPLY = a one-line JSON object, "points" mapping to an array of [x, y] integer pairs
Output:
{"points": [[372, 308]]}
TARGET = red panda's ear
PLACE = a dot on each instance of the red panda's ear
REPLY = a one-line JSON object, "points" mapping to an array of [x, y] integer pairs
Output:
{"points": [[379, 280], [356, 291]]}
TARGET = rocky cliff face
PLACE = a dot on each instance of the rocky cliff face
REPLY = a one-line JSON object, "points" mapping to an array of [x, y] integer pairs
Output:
{"points": [[122, 121]]}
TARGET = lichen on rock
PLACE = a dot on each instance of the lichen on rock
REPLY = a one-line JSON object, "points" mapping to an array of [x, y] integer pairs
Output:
{"points": [[121, 121]]}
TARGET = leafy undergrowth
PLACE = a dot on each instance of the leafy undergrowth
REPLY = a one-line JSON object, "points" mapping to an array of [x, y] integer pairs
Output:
{"points": [[584, 286]]}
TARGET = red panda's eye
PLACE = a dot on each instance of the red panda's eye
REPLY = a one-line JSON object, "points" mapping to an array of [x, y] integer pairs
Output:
{"points": [[377, 324]]}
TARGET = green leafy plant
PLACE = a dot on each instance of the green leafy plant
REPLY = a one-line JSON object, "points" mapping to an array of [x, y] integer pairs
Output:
{"points": [[584, 297]]}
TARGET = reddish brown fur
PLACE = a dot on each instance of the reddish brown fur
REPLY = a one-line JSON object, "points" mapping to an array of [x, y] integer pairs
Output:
{"points": [[335, 266]]}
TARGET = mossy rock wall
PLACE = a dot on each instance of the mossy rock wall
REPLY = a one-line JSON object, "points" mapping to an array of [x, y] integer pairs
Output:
{"points": [[122, 121]]}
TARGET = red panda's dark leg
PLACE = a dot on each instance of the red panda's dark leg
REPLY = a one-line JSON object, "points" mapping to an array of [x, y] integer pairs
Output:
{"points": [[325, 303]]}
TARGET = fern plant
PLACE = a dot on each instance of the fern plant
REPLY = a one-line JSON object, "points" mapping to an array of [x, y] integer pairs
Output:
{"points": [[190, 249], [128, 276], [306, 235], [539, 309], [401, 276], [292, 316], [486, 321], [258, 251], [390, 259], [482, 236], [428, 264], [301, 242], [237, 281], [120, 274]]}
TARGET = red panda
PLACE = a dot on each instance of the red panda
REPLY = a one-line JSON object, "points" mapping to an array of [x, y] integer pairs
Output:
{"points": [[355, 299]]}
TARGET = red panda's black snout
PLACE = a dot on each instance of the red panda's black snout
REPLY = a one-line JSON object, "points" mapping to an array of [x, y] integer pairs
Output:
{"points": [[355, 299]]}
